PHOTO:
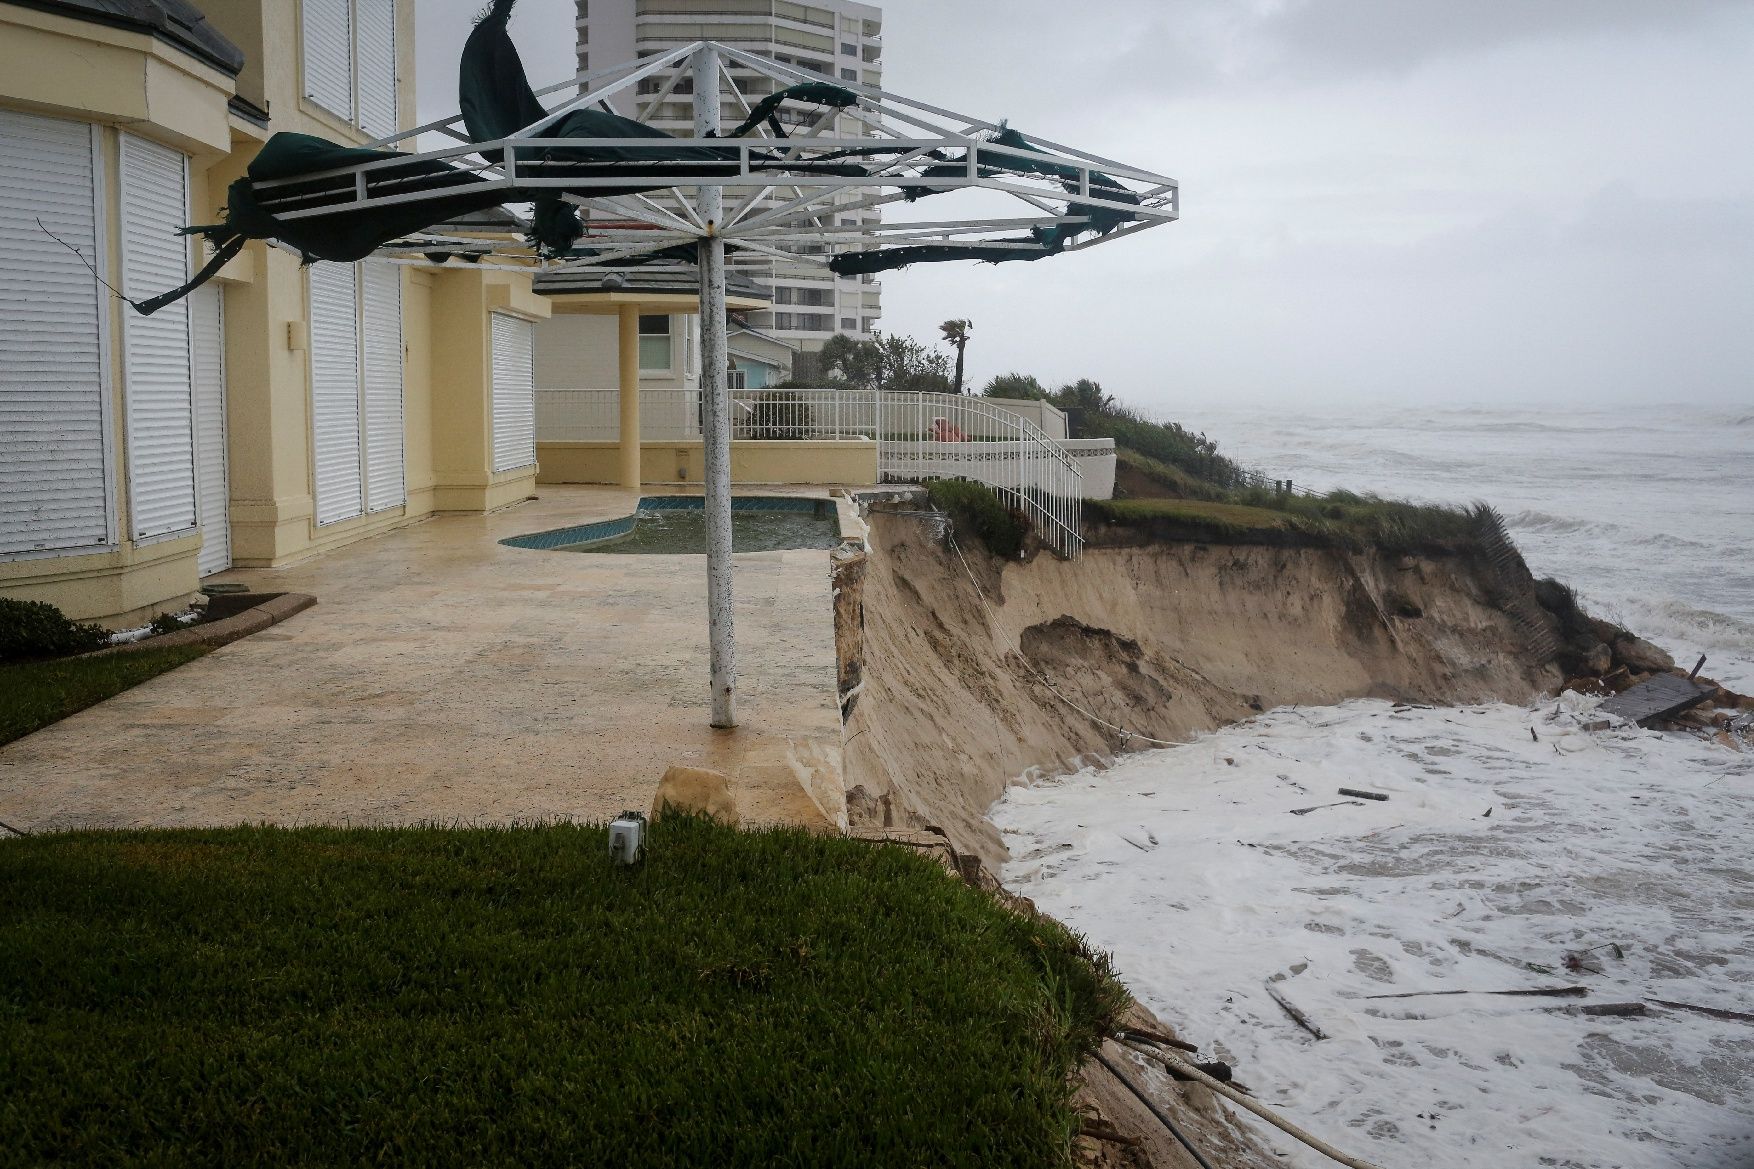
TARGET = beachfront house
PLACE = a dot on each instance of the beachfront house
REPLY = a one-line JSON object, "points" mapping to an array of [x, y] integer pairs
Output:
{"points": [[284, 411], [280, 410]]}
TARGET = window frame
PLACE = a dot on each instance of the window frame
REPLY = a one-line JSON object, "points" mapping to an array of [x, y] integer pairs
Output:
{"points": [[669, 336]]}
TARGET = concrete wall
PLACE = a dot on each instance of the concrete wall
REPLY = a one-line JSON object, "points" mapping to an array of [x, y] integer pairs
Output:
{"points": [[1095, 460], [852, 463], [1050, 419]]}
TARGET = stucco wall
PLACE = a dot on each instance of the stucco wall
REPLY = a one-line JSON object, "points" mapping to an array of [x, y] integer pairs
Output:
{"points": [[60, 67], [581, 351]]}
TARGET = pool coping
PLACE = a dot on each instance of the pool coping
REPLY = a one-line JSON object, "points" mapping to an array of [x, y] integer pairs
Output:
{"points": [[849, 527]]}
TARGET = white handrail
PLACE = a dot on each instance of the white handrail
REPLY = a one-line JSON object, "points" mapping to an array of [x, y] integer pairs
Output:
{"points": [[918, 436]]}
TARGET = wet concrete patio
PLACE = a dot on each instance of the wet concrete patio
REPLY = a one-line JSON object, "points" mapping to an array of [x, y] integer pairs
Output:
{"points": [[445, 677]]}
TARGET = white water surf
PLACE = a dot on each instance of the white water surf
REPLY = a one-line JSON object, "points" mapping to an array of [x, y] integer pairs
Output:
{"points": [[1496, 855]]}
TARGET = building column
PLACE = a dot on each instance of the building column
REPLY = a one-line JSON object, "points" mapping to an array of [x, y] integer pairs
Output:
{"points": [[629, 354]]}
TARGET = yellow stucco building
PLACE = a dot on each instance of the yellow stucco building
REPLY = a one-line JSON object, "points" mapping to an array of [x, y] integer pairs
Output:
{"points": [[278, 412]]}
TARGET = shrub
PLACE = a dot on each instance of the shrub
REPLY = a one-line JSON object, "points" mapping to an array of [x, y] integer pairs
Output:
{"points": [[976, 508], [771, 417], [36, 629]]}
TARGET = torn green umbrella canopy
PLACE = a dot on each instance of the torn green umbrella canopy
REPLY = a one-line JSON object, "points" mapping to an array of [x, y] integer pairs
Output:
{"points": [[304, 174]]}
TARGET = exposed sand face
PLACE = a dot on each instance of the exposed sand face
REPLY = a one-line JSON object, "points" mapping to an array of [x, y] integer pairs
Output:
{"points": [[1167, 641]]}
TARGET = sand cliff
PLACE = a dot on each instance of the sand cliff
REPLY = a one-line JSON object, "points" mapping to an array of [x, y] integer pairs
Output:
{"points": [[944, 693]]}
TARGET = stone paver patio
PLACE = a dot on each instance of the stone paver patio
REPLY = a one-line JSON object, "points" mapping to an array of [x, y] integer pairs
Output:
{"points": [[445, 677]]}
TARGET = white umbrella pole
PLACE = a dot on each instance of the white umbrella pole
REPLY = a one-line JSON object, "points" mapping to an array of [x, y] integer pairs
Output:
{"points": [[716, 406]]}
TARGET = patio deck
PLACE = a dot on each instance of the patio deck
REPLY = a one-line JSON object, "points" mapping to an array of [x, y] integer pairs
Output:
{"points": [[445, 677]]}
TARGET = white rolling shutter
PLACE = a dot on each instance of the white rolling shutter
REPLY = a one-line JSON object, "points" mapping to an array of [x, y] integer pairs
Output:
{"points": [[514, 400], [328, 54], [212, 482], [54, 490], [334, 341], [155, 362], [381, 342], [377, 67]]}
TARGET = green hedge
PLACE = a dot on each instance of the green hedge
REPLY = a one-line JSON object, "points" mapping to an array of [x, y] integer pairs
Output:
{"points": [[36, 629]]}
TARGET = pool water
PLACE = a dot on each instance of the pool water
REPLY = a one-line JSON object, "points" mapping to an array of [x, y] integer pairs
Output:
{"points": [[676, 525]]}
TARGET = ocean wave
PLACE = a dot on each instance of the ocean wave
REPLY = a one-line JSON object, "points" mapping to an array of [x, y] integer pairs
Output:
{"points": [[1540, 521], [1679, 621], [1628, 540]]}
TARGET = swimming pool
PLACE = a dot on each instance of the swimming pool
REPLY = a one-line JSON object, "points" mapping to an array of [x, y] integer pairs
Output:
{"points": [[675, 525]]}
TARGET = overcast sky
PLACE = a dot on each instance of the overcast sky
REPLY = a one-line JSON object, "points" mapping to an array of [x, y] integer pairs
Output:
{"points": [[1445, 201]]}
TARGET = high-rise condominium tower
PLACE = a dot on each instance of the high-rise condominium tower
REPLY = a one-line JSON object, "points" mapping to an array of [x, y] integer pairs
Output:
{"points": [[841, 40]]}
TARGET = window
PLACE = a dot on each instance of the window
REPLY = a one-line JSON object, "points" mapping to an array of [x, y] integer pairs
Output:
{"points": [[656, 353], [849, 324], [356, 388], [849, 74], [871, 324], [350, 61], [54, 445], [514, 399], [157, 381], [847, 50], [736, 378]]}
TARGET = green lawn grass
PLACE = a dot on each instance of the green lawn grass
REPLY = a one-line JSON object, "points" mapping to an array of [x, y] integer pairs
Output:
{"points": [[35, 694], [1224, 518], [1338, 519], [478, 997]]}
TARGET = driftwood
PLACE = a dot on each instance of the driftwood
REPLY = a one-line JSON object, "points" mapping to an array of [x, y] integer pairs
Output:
{"points": [[1301, 1019], [1319, 807], [1607, 1009], [1569, 992], [1097, 1131], [1714, 1012], [1229, 1092], [1158, 1038], [1362, 795]]}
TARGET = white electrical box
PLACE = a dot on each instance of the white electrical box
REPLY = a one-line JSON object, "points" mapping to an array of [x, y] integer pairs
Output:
{"points": [[626, 838]]}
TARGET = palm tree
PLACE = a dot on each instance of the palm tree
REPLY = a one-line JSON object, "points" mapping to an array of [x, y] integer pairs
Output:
{"points": [[956, 333]]}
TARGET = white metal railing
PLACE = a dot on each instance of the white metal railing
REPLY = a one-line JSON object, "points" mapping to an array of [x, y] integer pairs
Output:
{"points": [[918, 436]]}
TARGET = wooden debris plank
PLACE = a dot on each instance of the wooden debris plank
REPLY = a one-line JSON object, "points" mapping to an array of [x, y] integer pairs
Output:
{"points": [[1663, 696]]}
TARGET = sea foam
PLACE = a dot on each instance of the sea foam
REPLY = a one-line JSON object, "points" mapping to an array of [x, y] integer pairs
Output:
{"points": [[1511, 839]]}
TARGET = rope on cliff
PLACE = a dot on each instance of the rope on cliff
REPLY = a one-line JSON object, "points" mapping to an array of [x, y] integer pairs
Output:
{"points": [[1125, 734], [1181, 1067]]}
